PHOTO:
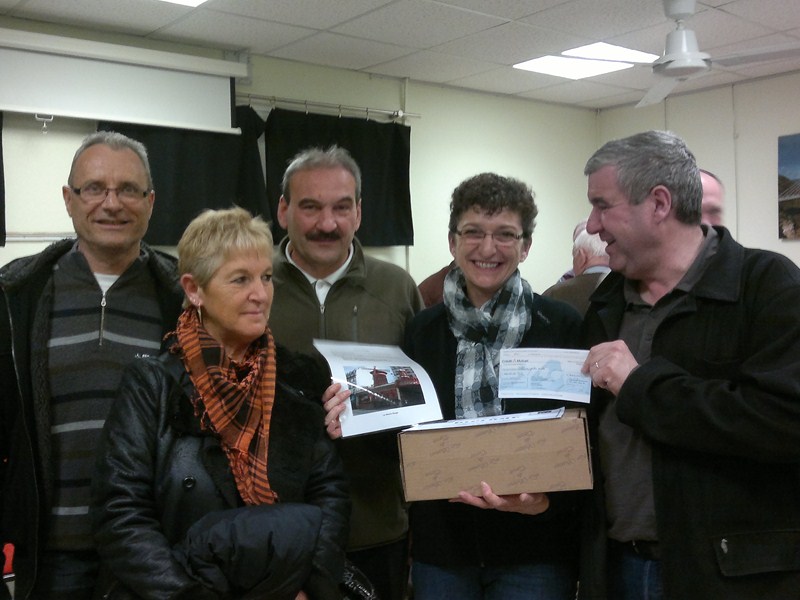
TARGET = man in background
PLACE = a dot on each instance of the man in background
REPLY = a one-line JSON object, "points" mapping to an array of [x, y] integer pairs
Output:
{"points": [[432, 287], [590, 266], [327, 288], [695, 358], [713, 198], [71, 319]]}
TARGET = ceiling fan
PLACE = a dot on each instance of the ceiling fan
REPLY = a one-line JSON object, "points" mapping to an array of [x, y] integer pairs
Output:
{"points": [[682, 58]]}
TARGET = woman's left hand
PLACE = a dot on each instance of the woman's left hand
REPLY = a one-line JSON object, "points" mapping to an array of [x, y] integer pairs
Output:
{"points": [[526, 504], [301, 595], [333, 401]]}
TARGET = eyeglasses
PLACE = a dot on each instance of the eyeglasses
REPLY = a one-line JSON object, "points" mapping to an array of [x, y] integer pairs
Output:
{"points": [[501, 238], [96, 192]]}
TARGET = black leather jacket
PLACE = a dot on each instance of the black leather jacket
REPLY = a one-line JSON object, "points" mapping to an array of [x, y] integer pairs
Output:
{"points": [[158, 474]]}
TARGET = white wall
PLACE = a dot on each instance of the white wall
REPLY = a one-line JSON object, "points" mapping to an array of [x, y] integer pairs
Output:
{"points": [[36, 165]]}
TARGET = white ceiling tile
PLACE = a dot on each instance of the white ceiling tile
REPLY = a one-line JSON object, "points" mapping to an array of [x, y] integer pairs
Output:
{"points": [[417, 23], [232, 32], [650, 39], [342, 51], [6, 4], [304, 13], [586, 18], [431, 66], [573, 92], [717, 28], [781, 15], [512, 43], [508, 9], [640, 77], [136, 16], [623, 99], [751, 45], [506, 80], [757, 70]]}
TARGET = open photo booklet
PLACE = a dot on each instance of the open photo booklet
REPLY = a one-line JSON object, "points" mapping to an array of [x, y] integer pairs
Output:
{"points": [[388, 390]]}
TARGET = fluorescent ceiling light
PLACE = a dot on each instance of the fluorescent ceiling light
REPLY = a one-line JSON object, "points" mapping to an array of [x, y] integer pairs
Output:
{"points": [[571, 68], [192, 3], [591, 60], [603, 51]]}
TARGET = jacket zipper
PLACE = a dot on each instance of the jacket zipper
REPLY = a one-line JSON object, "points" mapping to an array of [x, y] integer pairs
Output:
{"points": [[354, 323], [102, 320]]}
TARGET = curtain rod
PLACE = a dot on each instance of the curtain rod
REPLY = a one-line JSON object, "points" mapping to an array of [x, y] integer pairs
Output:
{"points": [[38, 237], [392, 114]]}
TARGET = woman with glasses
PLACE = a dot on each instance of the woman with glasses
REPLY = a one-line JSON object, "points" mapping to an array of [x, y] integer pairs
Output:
{"points": [[215, 476], [490, 547]]}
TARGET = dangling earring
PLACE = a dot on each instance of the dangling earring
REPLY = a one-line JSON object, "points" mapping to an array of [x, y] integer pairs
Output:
{"points": [[196, 303]]}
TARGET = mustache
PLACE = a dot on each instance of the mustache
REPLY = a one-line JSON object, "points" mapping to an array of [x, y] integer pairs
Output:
{"points": [[323, 236]]}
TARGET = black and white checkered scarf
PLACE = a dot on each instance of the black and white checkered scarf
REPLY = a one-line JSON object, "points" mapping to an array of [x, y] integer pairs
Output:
{"points": [[481, 333]]}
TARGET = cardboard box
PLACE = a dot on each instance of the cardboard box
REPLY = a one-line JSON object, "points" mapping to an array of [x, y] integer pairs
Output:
{"points": [[527, 452]]}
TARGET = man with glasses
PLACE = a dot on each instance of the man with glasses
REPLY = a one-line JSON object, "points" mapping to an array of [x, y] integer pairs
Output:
{"points": [[326, 287], [71, 318]]}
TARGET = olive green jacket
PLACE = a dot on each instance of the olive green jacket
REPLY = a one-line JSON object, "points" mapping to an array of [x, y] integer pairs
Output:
{"points": [[371, 303]]}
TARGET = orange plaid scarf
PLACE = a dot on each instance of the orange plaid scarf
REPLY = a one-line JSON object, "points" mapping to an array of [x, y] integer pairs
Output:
{"points": [[234, 400]]}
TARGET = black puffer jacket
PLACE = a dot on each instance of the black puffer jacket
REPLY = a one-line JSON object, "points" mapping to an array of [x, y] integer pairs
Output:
{"points": [[159, 474]]}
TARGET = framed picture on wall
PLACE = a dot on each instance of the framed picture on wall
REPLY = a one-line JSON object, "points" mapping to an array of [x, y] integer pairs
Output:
{"points": [[789, 187]]}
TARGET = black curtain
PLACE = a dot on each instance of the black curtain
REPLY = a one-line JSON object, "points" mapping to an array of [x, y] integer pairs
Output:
{"points": [[195, 170], [382, 152], [2, 189]]}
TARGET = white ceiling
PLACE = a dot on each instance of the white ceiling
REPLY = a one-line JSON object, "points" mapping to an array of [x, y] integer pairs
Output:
{"points": [[464, 43]]}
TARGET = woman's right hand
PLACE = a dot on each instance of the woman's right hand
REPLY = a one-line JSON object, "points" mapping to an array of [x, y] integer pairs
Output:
{"points": [[333, 401], [526, 504]]}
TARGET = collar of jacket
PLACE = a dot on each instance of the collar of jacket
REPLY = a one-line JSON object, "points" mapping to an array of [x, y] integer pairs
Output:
{"points": [[720, 281]]}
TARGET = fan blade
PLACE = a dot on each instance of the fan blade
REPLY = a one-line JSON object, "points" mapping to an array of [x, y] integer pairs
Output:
{"points": [[658, 92], [789, 50]]}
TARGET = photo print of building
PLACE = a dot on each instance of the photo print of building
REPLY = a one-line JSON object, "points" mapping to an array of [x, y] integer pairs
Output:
{"points": [[383, 388]]}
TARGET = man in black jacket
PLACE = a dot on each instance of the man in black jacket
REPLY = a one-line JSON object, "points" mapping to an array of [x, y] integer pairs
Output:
{"points": [[71, 318], [695, 355]]}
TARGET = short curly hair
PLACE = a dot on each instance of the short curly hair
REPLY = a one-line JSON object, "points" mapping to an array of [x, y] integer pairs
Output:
{"points": [[491, 193]]}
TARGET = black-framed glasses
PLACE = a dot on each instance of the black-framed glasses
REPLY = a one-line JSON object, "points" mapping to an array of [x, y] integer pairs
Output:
{"points": [[97, 192], [502, 238]]}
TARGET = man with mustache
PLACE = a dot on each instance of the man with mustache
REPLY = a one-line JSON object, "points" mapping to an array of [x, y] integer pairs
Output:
{"points": [[327, 288]]}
